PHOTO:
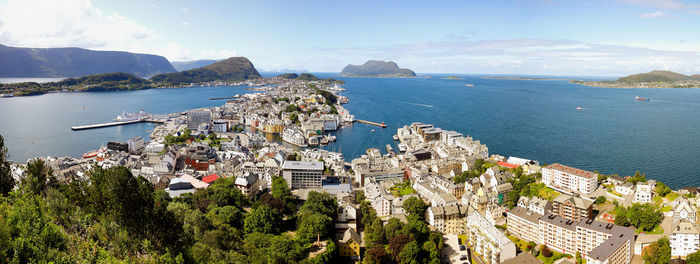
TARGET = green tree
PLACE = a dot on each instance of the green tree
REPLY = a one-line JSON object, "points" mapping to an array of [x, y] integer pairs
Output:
{"points": [[393, 227], [313, 226], [662, 189], [658, 252], [262, 219], [39, 176], [397, 244], [375, 233], [693, 258], [318, 202], [7, 183], [600, 200], [415, 206], [409, 253]]}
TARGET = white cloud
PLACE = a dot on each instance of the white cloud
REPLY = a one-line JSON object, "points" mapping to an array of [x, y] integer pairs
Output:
{"points": [[655, 14], [184, 9], [77, 23], [217, 54], [661, 4]]}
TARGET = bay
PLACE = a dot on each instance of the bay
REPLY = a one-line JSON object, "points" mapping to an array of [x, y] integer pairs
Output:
{"points": [[535, 119]]}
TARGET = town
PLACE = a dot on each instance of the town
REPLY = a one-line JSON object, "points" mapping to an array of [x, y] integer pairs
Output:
{"points": [[442, 193]]}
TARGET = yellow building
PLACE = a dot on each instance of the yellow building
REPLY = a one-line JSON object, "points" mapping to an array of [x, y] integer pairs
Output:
{"points": [[349, 245], [273, 128]]}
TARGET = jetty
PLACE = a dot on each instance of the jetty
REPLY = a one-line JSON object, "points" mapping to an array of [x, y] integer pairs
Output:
{"points": [[382, 125], [118, 123]]}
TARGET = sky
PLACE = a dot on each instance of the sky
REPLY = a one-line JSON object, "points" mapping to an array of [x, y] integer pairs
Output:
{"points": [[529, 37]]}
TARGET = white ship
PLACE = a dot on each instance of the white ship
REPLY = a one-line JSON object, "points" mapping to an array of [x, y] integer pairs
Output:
{"points": [[125, 117]]}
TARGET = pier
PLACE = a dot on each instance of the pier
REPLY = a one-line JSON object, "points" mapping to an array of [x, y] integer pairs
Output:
{"points": [[382, 125], [110, 124]]}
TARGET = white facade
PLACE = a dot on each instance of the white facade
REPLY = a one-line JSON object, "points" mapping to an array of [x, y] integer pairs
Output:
{"points": [[560, 176], [685, 239], [488, 241], [643, 193]]}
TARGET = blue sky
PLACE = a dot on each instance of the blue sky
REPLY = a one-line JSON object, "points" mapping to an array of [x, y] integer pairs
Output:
{"points": [[600, 38]]}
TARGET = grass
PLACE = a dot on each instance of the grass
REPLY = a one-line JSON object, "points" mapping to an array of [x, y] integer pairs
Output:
{"points": [[462, 238], [555, 256], [545, 192], [672, 196], [522, 244], [658, 230], [666, 208], [402, 189], [657, 200], [614, 192]]}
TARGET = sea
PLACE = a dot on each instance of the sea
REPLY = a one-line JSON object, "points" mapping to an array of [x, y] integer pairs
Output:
{"points": [[611, 133]]}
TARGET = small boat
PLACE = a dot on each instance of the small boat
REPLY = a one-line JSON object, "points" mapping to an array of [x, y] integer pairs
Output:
{"points": [[396, 137], [90, 154], [579, 108], [641, 99], [469, 85], [373, 130]]}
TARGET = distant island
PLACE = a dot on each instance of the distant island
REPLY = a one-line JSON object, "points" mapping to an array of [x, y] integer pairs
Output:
{"points": [[193, 64], [71, 62], [653, 79], [452, 78], [520, 78], [232, 71], [374, 68]]}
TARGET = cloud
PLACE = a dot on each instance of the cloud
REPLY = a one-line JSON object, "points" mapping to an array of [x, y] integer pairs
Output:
{"points": [[217, 54], [184, 9], [660, 4], [655, 14], [77, 23]]}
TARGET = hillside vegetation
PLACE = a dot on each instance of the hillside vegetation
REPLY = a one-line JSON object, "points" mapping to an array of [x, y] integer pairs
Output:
{"points": [[231, 69]]}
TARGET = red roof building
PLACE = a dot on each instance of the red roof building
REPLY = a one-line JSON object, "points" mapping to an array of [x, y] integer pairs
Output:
{"points": [[507, 165], [210, 178]]}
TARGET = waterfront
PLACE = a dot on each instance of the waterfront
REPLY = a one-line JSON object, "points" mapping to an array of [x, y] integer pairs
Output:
{"points": [[526, 118]]}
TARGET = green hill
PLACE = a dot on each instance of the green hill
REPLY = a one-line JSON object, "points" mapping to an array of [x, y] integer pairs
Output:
{"points": [[657, 76], [231, 69], [374, 68]]}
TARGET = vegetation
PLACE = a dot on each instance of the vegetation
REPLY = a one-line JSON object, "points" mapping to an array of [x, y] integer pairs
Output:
{"points": [[91, 83], [600, 200], [693, 258], [174, 140], [638, 177], [658, 252], [373, 68], [646, 217], [402, 189], [231, 69], [7, 183]]}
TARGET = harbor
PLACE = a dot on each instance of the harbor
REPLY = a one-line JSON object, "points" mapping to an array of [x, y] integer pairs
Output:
{"points": [[126, 119], [382, 125]]}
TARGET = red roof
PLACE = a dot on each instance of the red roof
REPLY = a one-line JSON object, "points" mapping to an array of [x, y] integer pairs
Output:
{"points": [[507, 165], [210, 178]]}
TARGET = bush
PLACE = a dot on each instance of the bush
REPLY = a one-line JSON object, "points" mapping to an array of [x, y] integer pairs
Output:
{"points": [[546, 252]]}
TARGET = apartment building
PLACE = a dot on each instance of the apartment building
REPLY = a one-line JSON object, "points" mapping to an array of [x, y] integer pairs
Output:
{"points": [[447, 219], [524, 223], [564, 177], [685, 239], [572, 208], [488, 241], [303, 174]]}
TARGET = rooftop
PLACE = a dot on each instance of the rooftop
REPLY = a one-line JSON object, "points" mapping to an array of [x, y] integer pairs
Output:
{"points": [[571, 170], [302, 165]]}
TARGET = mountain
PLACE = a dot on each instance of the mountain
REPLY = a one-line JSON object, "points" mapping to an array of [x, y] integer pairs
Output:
{"points": [[193, 64], [116, 81], [71, 62], [231, 69], [373, 68], [658, 76]]}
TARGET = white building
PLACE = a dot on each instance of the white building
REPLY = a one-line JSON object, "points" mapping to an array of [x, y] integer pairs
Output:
{"points": [[488, 241], [559, 176], [643, 193], [625, 189], [685, 239], [303, 174], [684, 211]]}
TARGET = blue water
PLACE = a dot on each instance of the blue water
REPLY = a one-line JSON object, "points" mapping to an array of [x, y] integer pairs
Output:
{"points": [[531, 119]]}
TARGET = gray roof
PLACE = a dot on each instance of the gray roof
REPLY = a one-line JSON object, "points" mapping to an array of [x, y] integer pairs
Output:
{"points": [[576, 201], [302, 165], [523, 258], [685, 228], [608, 228], [559, 221], [607, 248], [524, 214]]}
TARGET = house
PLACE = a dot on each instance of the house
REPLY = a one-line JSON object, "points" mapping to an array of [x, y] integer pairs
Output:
{"points": [[684, 211], [626, 188], [685, 239], [210, 178], [616, 180], [572, 208], [642, 193], [350, 244], [523, 258]]}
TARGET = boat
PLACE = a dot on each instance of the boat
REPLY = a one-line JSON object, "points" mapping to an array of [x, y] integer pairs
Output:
{"points": [[125, 117], [641, 99], [373, 130], [469, 85], [396, 137], [324, 141], [579, 108], [90, 154], [389, 149], [330, 137], [402, 147]]}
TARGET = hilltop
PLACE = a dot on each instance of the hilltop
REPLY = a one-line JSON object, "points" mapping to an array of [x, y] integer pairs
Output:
{"points": [[71, 62], [374, 68], [117, 81], [306, 77], [193, 64], [231, 69], [653, 79]]}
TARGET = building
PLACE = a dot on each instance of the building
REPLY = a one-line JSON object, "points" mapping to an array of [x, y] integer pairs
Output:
{"points": [[605, 242], [684, 211], [447, 219], [523, 258], [488, 241], [626, 188], [349, 245], [195, 118], [572, 208], [642, 193], [200, 157], [559, 176], [220, 126], [524, 224], [136, 145], [685, 239], [435, 217], [558, 233], [303, 174]]}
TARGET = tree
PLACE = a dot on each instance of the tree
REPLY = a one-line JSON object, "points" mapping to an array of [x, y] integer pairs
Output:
{"points": [[39, 174], [280, 189], [7, 183], [376, 255], [579, 260], [658, 252], [693, 258], [397, 244], [313, 226], [662, 189], [415, 206], [409, 253], [262, 219], [600, 200], [375, 233], [546, 252], [393, 227], [317, 202]]}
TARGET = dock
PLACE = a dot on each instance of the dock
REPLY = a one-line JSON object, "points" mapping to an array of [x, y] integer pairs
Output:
{"points": [[382, 125], [110, 124]]}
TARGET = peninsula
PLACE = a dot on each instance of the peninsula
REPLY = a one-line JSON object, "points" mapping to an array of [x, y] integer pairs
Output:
{"points": [[374, 68], [653, 79]]}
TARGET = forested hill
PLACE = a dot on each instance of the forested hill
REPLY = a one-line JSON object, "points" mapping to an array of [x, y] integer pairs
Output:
{"points": [[231, 69], [73, 62]]}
